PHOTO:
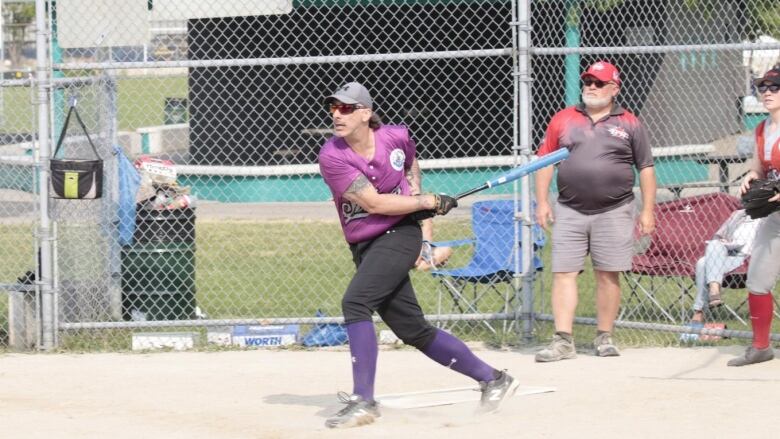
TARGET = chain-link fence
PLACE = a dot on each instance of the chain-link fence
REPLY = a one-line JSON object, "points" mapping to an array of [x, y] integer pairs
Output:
{"points": [[687, 73], [18, 324], [229, 97]]}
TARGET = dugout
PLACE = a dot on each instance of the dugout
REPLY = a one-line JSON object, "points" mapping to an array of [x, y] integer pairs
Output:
{"points": [[275, 108], [264, 115]]}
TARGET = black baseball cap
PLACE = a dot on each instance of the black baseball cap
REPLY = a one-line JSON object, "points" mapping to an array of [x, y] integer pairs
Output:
{"points": [[772, 76]]}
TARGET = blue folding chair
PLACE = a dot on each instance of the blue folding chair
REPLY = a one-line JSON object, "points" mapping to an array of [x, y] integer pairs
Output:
{"points": [[493, 260]]}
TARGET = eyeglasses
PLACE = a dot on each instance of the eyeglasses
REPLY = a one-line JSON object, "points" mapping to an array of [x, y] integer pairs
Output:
{"points": [[587, 82], [344, 108], [773, 88]]}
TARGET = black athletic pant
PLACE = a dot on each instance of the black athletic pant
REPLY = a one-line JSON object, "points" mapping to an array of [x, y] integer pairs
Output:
{"points": [[382, 284]]}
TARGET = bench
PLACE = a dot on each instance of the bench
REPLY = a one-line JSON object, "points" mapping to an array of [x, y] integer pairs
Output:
{"points": [[163, 138], [677, 188], [704, 155], [677, 167]]}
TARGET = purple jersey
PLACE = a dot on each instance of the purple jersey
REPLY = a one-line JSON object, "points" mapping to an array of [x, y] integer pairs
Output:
{"points": [[393, 155]]}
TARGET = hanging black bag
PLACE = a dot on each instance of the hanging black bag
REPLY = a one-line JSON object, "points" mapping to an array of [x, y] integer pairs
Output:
{"points": [[75, 179]]}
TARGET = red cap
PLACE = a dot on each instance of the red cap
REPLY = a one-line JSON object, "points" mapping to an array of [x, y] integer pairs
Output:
{"points": [[603, 71], [772, 76]]}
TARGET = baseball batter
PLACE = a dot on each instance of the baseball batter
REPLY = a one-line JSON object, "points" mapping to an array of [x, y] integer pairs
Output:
{"points": [[373, 173]]}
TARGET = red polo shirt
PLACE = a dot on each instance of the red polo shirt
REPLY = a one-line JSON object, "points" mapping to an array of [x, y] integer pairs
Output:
{"points": [[598, 176]]}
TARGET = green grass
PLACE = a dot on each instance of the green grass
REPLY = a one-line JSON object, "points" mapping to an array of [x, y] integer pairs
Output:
{"points": [[667, 291], [287, 269], [140, 103], [17, 109], [16, 257]]}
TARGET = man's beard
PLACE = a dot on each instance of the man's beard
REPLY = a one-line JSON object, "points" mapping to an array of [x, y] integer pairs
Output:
{"points": [[590, 101]]}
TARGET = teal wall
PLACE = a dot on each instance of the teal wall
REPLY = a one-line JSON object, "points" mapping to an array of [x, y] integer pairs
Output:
{"points": [[450, 181], [312, 188]]}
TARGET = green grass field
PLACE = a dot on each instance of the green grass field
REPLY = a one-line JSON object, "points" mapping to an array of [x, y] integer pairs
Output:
{"points": [[17, 110], [140, 103], [283, 269], [16, 257]]}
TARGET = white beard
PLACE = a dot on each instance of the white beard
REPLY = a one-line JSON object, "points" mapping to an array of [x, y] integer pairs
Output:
{"points": [[596, 102]]}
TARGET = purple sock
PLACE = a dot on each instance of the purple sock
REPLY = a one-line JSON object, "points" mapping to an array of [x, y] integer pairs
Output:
{"points": [[363, 347], [450, 352]]}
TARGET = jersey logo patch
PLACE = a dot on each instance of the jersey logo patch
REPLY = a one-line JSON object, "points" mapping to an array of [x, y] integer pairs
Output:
{"points": [[618, 132], [352, 211], [397, 159]]}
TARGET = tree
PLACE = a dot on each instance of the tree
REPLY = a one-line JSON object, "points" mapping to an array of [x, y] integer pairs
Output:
{"points": [[766, 17], [17, 18]]}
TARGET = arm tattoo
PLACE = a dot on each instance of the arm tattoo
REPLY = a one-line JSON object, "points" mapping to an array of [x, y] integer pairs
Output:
{"points": [[414, 177], [357, 186]]}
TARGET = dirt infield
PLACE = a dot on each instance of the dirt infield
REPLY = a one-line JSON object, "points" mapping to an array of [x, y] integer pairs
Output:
{"points": [[646, 393]]}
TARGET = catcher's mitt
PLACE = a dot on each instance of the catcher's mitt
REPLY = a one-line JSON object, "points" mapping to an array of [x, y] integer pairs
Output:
{"points": [[756, 199]]}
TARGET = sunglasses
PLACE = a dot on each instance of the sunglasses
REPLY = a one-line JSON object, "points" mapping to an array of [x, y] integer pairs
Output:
{"points": [[773, 88], [587, 82], [344, 108]]}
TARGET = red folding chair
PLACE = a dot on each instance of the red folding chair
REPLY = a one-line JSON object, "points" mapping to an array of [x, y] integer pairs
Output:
{"points": [[682, 228]]}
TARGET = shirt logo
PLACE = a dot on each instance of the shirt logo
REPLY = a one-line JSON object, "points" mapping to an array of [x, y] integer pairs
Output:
{"points": [[352, 211], [618, 132], [397, 159]]}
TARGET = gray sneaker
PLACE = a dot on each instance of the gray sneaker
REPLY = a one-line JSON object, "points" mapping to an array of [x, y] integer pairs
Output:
{"points": [[753, 356], [604, 346], [559, 349], [357, 412], [494, 392]]}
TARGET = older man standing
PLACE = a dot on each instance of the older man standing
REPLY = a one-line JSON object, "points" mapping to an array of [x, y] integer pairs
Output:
{"points": [[595, 209]]}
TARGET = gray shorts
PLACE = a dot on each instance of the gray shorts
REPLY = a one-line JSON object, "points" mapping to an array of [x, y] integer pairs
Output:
{"points": [[607, 236], [764, 265]]}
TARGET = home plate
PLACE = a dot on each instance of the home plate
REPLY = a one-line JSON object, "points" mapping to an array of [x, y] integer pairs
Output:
{"points": [[433, 398]]}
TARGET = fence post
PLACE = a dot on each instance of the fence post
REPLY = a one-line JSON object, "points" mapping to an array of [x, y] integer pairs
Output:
{"points": [[110, 222], [572, 60], [46, 281], [522, 137]]}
